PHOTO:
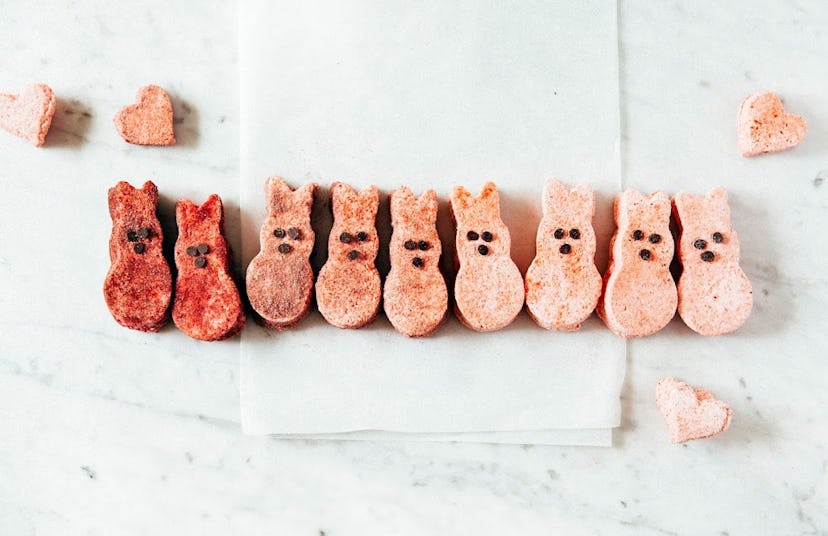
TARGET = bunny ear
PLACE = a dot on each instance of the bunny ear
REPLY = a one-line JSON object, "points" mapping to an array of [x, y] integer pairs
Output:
{"points": [[212, 209], [369, 202], [428, 204], [400, 201], [342, 197], [151, 190], [461, 199], [184, 209], [552, 190], [583, 197], [661, 203], [305, 194], [716, 200], [278, 195], [490, 198]]}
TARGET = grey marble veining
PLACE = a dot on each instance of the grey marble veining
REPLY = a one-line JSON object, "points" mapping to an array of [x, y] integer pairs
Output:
{"points": [[103, 433]]}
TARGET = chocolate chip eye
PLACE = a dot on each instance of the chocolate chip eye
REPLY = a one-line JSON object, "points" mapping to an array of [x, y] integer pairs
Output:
{"points": [[574, 234], [203, 248], [565, 249], [132, 236], [471, 235], [559, 233], [192, 251], [423, 245], [483, 249], [294, 233], [655, 238], [345, 238], [644, 254], [410, 245], [284, 248], [718, 237], [417, 261], [700, 244], [139, 247], [200, 262], [362, 236], [487, 236], [279, 232], [708, 256], [144, 232], [637, 234], [353, 254]]}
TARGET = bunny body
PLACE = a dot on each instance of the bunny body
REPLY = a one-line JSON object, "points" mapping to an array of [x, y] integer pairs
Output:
{"points": [[280, 278], [348, 289], [714, 294], [639, 295], [488, 290], [415, 296], [562, 283], [207, 303], [138, 285]]}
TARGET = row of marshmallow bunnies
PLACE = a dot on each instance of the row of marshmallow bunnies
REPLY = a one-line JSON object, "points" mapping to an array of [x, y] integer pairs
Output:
{"points": [[636, 297]]}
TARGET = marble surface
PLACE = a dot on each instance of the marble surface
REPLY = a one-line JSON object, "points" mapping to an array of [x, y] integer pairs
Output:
{"points": [[105, 431]]}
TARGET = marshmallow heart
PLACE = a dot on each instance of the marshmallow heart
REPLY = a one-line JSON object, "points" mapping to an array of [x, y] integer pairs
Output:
{"points": [[149, 121], [29, 114], [690, 413], [765, 127]]}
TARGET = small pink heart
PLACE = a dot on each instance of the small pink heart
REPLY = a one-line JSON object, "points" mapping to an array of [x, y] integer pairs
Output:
{"points": [[765, 127], [29, 114], [690, 413], [149, 121]]}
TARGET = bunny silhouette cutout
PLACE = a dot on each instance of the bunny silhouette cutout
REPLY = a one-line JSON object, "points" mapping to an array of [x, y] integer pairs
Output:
{"points": [[207, 304], [488, 290], [415, 297], [562, 283], [714, 294], [280, 278], [639, 295], [138, 285], [348, 289]]}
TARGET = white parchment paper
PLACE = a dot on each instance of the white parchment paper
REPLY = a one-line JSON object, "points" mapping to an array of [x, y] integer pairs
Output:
{"points": [[431, 96]]}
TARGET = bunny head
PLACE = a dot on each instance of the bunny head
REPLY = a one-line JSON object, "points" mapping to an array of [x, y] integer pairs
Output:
{"points": [[135, 223], [287, 230], [125, 199], [707, 237], [200, 232], [565, 231], [353, 236], [481, 234], [415, 241], [643, 234]]}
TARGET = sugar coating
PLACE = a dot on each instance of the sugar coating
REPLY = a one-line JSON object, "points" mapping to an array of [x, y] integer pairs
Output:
{"points": [[562, 283], [415, 297], [138, 286], [639, 296], [488, 290], [715, 296], [765, 127], [348, 289], [207, 303], [690, 413], [29, 114], [149, 121], [280, 281]]}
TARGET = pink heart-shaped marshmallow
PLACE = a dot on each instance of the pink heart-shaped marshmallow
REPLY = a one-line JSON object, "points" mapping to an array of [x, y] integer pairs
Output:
{"points": [[765, 127], [149, 121], [29, 114], [690, 413]]}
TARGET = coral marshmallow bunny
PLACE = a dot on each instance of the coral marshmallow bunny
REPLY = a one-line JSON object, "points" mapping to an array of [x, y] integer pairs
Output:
{"points": [[279, 278], [488, 290], [207, 304], [138, 286], [562, 283], [714, 294], [348, 289], [639, 295], [415, 296]]}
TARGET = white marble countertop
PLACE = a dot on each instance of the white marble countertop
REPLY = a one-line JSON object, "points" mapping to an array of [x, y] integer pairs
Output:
{"points": [[99, 440]]}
